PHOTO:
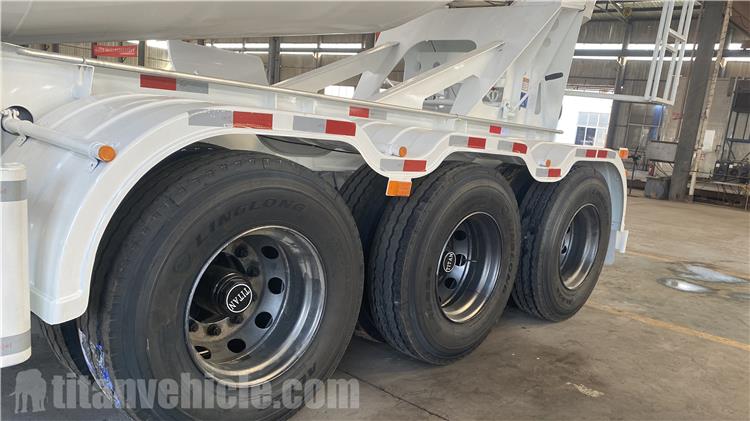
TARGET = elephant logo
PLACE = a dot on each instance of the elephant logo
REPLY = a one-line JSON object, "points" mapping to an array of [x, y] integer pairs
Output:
{"points": [[31, 390]]}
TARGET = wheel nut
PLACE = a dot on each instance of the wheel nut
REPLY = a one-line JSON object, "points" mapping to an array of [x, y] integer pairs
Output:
{"points": [[253, 271], [236, 319], [213, 330], [192, 326]]}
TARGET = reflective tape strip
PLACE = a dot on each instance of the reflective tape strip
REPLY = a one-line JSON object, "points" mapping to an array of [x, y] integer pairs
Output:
{"points": [[211, 118], [407, 165], [193, 86], [346, 128], [14, 344], [496, 129], [596, 153], [173, 84], [364, 112], [515, 147], [468, 142], [309, 124], [548, 172], [252, 120], [12, 191], [159, 82], [320, 125], [227, 118]]}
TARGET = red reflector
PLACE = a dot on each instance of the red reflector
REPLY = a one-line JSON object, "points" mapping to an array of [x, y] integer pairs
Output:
{"points": [[415, 165], [158, 82], [359, 112], [519, 148], [496, 129], [477, 142], [554, 172], [254, 120], [346, 128], [590, 153], [601, 154]]}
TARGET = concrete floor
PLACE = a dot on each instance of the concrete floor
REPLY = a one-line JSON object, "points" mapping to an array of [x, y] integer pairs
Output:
{"points": [[638, 350]]}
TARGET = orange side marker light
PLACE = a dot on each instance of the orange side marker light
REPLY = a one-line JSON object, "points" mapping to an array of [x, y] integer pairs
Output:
{"points": [[398, 188], [106, 153]]}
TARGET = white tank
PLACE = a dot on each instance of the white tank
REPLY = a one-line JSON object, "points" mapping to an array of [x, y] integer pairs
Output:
{"points": [[79, 21]]}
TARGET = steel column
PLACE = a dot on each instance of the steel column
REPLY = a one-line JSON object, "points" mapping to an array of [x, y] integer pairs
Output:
{"points": [[274, 60], [708, 34], [619, 81]]}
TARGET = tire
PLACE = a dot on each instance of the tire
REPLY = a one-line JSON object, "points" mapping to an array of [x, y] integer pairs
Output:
{"points": [[548, 285], [65, 344], [410, 255], [64, 338], [519, 179], [364, 193], [150, 278]]}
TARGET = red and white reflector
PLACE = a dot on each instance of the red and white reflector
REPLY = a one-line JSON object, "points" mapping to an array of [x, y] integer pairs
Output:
{"points": [[468, 142], [405, 165], [596, 153], [549, 172], [322, 125], [229, 118], [515, 147], [173, 84]]}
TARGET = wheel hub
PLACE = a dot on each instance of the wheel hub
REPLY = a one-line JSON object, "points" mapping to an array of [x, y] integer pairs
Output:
{"points": [[468, 268], [256, 306], [224, 291], [579, 247]]}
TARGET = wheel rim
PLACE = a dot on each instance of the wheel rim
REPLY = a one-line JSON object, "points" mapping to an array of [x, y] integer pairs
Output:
{"points": [[579, 247], [255, 306], [469, 266]]}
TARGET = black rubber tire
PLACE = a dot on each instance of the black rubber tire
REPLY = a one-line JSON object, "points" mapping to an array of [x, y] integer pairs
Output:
{"points": [[64, 338], [406, 253], [65, 344], [364, 193], [546, 213], [134, 322], [519, 179]]}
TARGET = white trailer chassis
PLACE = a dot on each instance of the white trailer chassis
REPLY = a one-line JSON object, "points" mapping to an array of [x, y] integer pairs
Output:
{"points": [[101, 126]]}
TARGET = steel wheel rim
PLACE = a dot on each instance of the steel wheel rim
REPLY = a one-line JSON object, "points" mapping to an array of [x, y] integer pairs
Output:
{"points": [[468, 267], [285, 273], [579, 247]]}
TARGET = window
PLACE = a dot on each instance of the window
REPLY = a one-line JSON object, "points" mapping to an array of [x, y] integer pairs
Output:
{"points": [[592, 128]]}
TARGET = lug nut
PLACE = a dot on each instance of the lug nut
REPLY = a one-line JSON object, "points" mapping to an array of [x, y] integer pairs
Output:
{"points": [[236, 319], [192, 326], [213, 330], [253, 271]]}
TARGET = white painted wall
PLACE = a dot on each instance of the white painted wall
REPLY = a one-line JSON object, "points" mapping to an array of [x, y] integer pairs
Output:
{"points": [[571, 106]]}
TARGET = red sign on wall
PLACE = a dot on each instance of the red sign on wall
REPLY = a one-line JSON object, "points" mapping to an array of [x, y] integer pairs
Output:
{"points": [[98, 50]]}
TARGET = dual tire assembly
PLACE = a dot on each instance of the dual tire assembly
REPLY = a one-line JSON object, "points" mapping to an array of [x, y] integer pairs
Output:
{"points": [[250, 270]]}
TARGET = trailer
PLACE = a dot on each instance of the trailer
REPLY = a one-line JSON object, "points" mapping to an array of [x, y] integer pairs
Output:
{"points": [[162, 222]]}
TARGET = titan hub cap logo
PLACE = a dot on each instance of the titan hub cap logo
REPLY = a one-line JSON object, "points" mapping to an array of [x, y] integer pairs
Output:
{"points": [[239, 298], [449, 261]]}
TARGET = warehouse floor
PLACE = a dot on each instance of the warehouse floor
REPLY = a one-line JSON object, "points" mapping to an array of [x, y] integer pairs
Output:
{"points": [[639, 349]]}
